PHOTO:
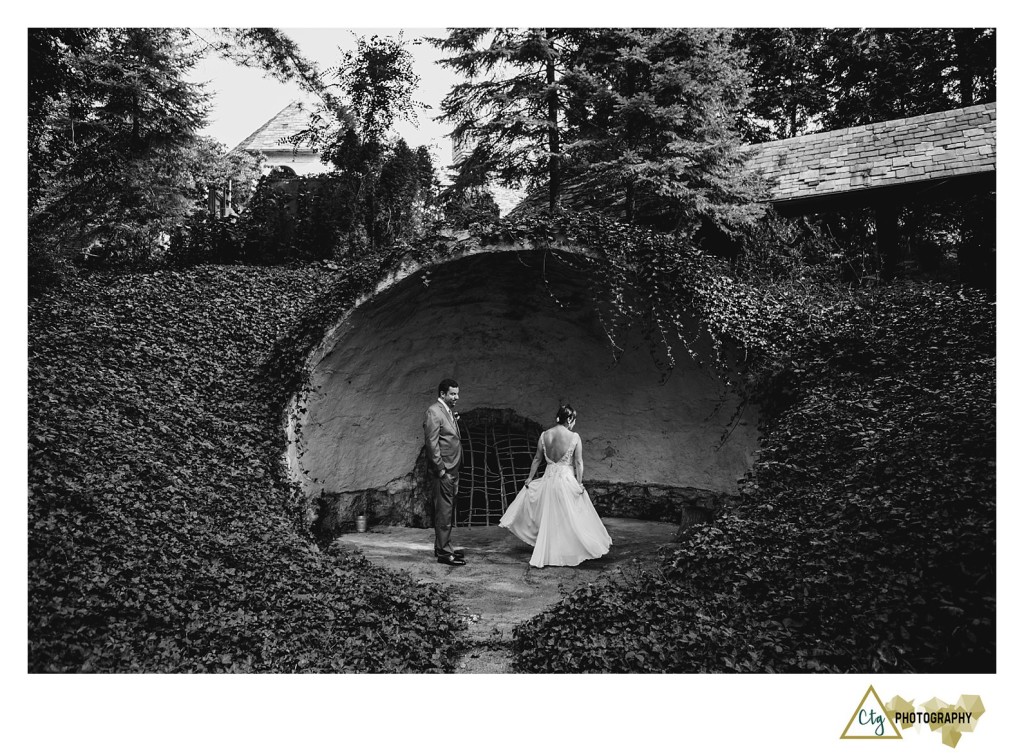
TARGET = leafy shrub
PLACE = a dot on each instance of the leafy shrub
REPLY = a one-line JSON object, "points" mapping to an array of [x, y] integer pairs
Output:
{"points": [[163, 536], [47, 270], [865, 540], [296, 220], [205, 239]]}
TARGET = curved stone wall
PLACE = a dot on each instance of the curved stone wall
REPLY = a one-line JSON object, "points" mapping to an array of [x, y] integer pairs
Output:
{"points": [[517, 331]]}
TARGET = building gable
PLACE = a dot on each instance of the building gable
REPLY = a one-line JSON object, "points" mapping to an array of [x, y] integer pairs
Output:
{"points": [[271, 140]]}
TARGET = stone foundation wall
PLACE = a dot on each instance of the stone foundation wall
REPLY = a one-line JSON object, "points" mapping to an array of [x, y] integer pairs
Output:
{"points": [[399, 505], [655, 502], [409, 504]]}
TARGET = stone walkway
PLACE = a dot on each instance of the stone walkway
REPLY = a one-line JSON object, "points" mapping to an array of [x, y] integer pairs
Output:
{"points": [[497, 588]]}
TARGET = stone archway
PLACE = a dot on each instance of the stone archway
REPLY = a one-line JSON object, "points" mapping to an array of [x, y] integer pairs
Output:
{"points": [[518, 329]]}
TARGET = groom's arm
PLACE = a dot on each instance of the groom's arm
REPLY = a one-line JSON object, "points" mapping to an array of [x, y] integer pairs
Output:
{"points": [[431, 439]]}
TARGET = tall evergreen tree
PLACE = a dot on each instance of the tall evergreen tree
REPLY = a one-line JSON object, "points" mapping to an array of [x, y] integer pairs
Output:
{"points": [[509, 108], [787, 69], [653, 112], [883, 74], [122, 111], [56, 99], [811, 79]]}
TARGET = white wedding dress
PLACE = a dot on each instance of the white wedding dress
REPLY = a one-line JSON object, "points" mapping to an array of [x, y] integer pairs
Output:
{"points": [[554, 514]]}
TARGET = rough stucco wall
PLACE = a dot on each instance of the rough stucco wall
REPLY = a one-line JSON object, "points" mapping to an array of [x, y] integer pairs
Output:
{"points": [[491, 322]]}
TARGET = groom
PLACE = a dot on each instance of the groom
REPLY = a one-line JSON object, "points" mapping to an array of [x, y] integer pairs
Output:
{"points": [[444, 456]]}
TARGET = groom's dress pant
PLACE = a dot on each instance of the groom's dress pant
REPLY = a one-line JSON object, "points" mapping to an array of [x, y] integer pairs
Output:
{"points": [[445, 489]]}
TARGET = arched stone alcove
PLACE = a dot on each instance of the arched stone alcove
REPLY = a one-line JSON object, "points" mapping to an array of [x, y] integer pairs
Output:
{"points": [[520, 333]]}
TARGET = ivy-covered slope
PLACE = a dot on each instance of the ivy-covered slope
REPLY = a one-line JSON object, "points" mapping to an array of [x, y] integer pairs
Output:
{"points": [[162, 537], [865, 541]]}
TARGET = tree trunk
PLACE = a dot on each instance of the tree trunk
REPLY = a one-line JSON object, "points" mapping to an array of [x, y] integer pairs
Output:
{"points": [[554, 172], [135, 125], [630, 202]]}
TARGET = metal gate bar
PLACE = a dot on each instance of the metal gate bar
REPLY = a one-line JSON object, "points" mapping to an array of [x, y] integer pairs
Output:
{"points": [[497, 457]]}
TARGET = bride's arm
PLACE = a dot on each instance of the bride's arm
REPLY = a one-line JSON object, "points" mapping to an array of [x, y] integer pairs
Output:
{"points": [[577, 458], [536, 461]]}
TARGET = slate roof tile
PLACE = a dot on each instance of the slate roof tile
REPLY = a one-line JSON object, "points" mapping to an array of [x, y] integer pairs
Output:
{"points": [[924, 147], [268, 137]]}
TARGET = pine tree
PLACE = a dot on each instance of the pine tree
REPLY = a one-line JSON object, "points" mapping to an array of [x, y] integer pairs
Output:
{"points": [[653, 113], [787, 69], [122, 111], [810, 79], [509, 109], [883, 74]]}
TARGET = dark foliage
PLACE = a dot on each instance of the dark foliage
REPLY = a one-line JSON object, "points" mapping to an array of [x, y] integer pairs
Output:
{"points": [[882, 74], [808, 79], [113, 120], [162, 534], [115, 160], [339, 215], [820, 79], [865, 536], [471, 207]]}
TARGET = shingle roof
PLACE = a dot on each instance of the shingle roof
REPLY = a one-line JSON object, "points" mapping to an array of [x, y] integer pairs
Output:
{"points": [[925, 147], [268, 137]]}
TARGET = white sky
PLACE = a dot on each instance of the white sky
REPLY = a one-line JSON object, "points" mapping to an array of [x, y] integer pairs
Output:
{"points": [[244, 98]]}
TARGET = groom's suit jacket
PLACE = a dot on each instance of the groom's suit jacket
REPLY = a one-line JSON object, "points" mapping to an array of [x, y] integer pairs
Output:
{"points": [[442, 439]]}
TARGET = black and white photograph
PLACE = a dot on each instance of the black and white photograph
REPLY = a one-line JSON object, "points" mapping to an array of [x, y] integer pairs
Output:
{"points": [[390, 354]]}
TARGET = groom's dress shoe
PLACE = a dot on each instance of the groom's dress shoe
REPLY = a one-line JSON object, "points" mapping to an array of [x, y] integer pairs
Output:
{"points": [[460, 554], [450, 559]]}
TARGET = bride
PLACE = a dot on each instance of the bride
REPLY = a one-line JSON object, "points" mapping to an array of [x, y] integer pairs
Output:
{"points": [[554, 513]]}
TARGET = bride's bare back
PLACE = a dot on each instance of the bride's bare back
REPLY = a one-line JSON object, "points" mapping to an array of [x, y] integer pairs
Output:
{"points": [[556, 441]]}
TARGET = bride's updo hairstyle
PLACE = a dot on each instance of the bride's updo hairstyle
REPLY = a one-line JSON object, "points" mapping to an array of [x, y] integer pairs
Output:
{"points": [[565, 414]]}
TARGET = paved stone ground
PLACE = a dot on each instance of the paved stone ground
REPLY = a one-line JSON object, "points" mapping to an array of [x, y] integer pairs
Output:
{"points": [[497, 588]]}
